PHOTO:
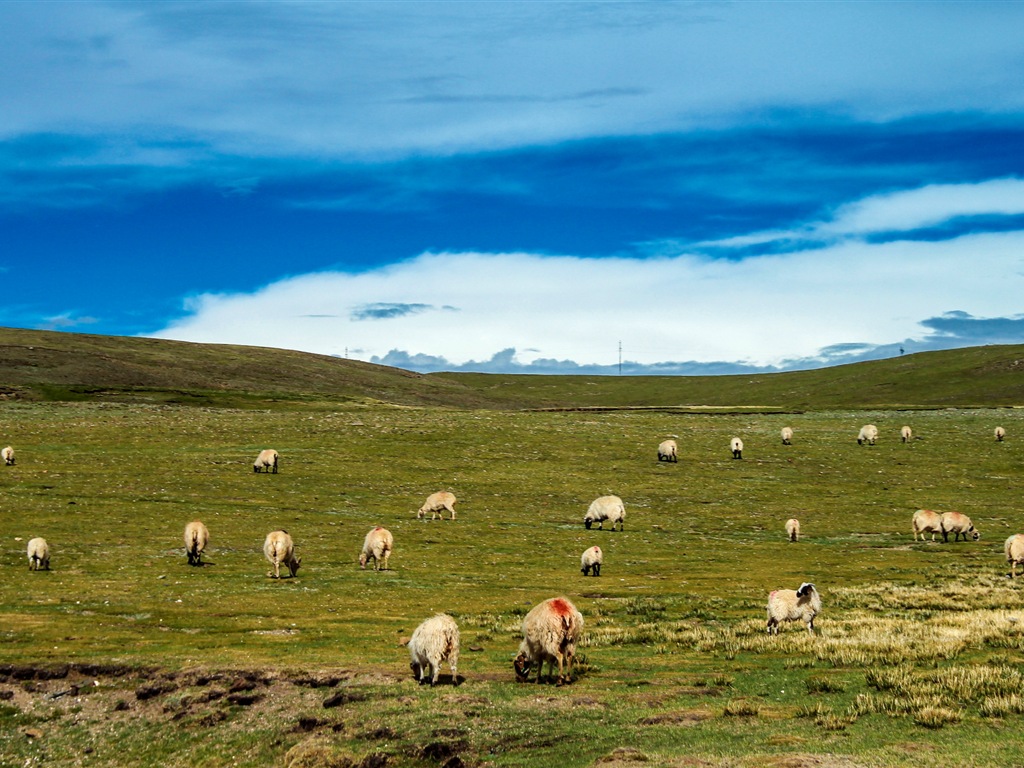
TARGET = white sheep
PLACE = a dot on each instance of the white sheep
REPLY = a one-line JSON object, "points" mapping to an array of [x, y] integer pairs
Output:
{"points": [[736, 446], [435, 641], [668, 451], [793, 529], [378, 544], [787, 435], [793, 605], [1000, 434], [592, 559], [550, 633], [925, 521], [196, 537], [38, 554], [1014, 549], [279, 550], [8, 456], [958, 525], [906, 434], [606, 508], [868, 434], [266, 461], [437, 503]]}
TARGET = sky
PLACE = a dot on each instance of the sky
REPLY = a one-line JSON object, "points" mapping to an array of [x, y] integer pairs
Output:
{"points": [[527, 187]]}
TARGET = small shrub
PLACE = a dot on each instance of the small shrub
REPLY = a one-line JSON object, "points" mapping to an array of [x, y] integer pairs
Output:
{"points": [[823, 684], [741, 708], [1000, 706], [937, 717]]}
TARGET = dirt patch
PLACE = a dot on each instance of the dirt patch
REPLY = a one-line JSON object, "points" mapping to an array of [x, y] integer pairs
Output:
{"points": [[684, 717]]}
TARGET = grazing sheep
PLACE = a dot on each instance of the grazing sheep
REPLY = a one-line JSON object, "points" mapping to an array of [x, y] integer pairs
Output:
{"points": [[196, 537], [1000, 434], [279, 549], [1014, 548], [550, 633], [266, 461], [736, 446], [436, 640], [787, 435], [906, 433], [606, 508], [925, 520], [592, 558], [8, 456], [437, 503], [868, 434], [378, 544], [789, 605], [958, 525], [668, 451], [38, 554], [793, 529]]}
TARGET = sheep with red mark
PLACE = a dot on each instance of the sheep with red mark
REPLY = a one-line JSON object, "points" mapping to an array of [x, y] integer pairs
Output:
{"points": [[592, 560], [959, 525], [377, 545], [550, 633], [925, 521]]}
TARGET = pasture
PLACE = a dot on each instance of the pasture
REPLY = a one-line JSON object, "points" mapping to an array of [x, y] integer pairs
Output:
{"points": [[123, 655]]}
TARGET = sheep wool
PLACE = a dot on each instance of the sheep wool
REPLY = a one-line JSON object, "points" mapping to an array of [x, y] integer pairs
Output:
{"points": [[377, 545], [434, 642], [793, 605], [1000, 434], [925, 521], [38, 554], [793, 529], [787, 435], [196, 537], [606, 508], [868, 434], [592, 560], [8, 456], [280, 550], [550, 633], [437, 503], [266, 461], [668, 451], [906, 434], [1014, 548], [959, 525], [736, 446]]}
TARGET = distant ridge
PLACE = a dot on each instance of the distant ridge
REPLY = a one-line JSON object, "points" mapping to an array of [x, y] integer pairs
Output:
{"points": [[60, 366]]}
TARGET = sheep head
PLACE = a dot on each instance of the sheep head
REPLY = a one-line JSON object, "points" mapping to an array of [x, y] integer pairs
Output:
{"points": [[293, 565], [522, 665], [805, 589], [588, 522]]}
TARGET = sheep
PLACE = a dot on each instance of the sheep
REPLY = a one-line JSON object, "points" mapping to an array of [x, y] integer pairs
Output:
{"points": [[958, 524], [196, 537], [606, 508], [787, 435], [550, 633], [266, 461], [378, 544], [436, 504], [925, 520], [592, 558], [868, 434], [736, 445], [906, 433], [436, 640], [668, 451], [38, 554], [789, 605], [8, 456], [1014, 548], [1000, 434], [279, 549], [793, 529]]}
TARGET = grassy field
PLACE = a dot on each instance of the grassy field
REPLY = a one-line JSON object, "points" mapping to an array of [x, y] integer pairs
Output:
{"points": [[122, 655]]}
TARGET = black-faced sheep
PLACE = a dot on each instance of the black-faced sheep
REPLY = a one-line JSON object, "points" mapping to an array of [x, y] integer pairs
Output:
{"points": [[435, 641], [1000, 434], [868, 434], [958, 525], [38, 554], [793, 605], [266, 461], [793, 529], [196, 537], [736, 446], [1014, 549], [437, 503], [668, 451], [592, 559], [787, 435], [8, 456], [280, 550], [606, 508], [925, 521], [377, 545], [550, 633], [906, 434]]}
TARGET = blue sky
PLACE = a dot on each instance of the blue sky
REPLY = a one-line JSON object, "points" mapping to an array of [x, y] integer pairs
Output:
{"points": [[717, 186]]}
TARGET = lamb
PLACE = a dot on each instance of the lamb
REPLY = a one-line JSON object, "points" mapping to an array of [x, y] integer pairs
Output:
{"points": [[38, 554], [906, 433], [925, 520], [436, 640], [1014, 548], [789, 605], [668, 451], [266, 461], [378, 544], [793, 529], [8, 456], [1000, 434], [606, 508], [196, 537], [787, 435], [957, 524], [437, 503], [592, 558], [736, 445], [868, 434], [279, 549], [550, 633]]}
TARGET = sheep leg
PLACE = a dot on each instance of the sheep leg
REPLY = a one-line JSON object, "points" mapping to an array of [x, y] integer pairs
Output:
{"points": [[597, 569]]}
